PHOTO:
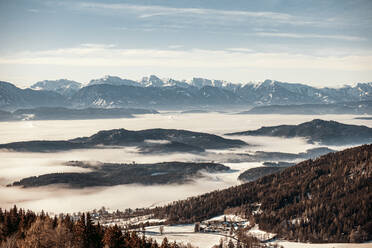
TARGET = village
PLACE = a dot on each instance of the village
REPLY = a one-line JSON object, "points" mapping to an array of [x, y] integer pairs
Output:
{"points": [[214, 231]]}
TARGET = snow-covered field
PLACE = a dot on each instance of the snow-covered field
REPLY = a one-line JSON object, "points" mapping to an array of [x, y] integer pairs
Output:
{"points": [[228, 217], [184, 234], [131, 221]]}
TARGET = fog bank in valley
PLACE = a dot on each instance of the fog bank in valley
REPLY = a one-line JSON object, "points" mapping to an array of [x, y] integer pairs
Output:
{"points": [[15, 166], [217, 123]]}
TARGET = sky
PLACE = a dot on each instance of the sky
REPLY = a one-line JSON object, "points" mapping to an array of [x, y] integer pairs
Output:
{"points": [[319, 42]]}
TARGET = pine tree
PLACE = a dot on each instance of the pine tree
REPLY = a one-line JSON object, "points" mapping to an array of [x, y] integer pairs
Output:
{"points": [[93, 235], [80, 237], [63, 235], [165, 243], [231, 244], [113, 237]]}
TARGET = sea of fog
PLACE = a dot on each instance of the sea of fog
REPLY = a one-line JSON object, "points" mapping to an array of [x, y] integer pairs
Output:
{"points": [[15, 165]]}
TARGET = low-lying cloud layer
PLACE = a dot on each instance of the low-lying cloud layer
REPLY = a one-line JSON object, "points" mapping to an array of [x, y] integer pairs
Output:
{"points": [[15, 166]]}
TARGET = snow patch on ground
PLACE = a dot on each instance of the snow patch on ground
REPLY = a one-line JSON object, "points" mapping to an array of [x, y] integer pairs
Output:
{"points": [[259, 234], [132, 221], [184, 234], [229, 217]]}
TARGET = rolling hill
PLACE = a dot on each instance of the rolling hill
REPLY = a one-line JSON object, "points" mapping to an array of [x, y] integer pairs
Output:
{"points": [[323, 132]]}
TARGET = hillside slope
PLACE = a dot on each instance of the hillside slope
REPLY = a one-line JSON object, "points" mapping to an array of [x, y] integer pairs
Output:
{"points": [[324, 200], [12, 97], [324, 132], [354, 108], [151, 140]]}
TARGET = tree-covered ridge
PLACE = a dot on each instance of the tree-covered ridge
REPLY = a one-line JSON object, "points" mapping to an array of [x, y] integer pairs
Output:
{"points": [[327, 200], [258, 172], [151, 140], [111, 174], [324, 132]]}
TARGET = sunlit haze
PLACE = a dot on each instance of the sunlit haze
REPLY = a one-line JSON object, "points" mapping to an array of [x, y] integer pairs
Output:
{"points": [[321, 43]]}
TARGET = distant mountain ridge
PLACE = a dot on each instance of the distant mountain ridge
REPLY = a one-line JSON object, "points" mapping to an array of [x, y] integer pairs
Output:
{"points": [[172, 96], [356, 108], [12, 97], [153, 91], [62, 86], [161, 140], [113, 81], [324, 132], [61, 113]]}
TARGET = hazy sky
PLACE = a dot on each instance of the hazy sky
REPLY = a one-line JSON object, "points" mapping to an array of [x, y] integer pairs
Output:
{"points": [[317, 42]]}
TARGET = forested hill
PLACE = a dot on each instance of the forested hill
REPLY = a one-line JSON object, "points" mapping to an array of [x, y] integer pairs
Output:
{"points": [[324, 200], [148, 140], [322, 131], [25, 229]]}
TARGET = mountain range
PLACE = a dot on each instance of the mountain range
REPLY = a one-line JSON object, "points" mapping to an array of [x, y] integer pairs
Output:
{"points": [[61, 113], [152, 91], [354, 108], [12, 97], [62, 86]]}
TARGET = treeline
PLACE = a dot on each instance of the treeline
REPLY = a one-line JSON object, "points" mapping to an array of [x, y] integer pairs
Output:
{"points": [[324, 200], [24, 229]]}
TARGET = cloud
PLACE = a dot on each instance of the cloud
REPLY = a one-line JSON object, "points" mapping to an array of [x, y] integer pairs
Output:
{"points": [[15, 166], [220, 20], [175, 46], [101, 55], [150, 11], [310, 36], [240, 49]]}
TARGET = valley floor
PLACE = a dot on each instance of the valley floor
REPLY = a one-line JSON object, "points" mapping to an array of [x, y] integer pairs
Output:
{"points": [[185, 234]]}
